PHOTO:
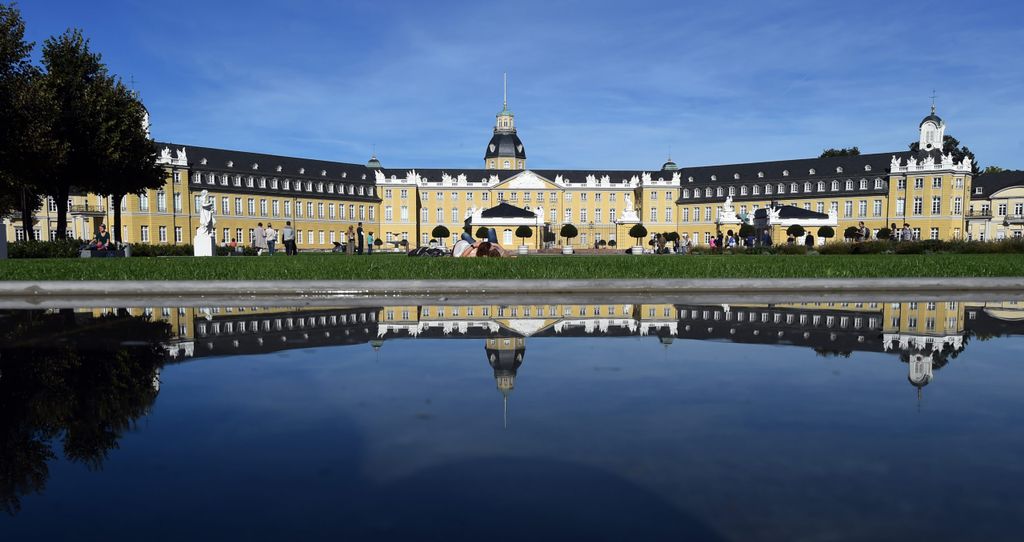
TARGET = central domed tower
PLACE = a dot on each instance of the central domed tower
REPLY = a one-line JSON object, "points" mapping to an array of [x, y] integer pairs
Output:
{"points": [[505, 150]]}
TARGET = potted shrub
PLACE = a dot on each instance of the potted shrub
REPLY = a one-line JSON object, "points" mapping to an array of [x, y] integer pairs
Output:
{"points": [[569, 232], [481, 232], [439, 233], [884, 234], [611, 243], [524, 233], [378, 243], [796, 230], [851, 233], [826, 232], [638, 232], [602, 243]]}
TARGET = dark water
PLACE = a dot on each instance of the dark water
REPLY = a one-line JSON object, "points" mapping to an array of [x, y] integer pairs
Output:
{"points": [[870, 421]]}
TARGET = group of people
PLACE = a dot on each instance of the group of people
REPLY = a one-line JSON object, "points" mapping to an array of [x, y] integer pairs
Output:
{"points": [[467, 247], [355, 241]]}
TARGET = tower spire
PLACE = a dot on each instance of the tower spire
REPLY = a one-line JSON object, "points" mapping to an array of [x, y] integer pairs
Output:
{"points": [[504, 93], [933, 101]]}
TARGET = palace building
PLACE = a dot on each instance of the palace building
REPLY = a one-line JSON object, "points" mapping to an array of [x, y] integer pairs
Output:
{"points": [[935, 194]]}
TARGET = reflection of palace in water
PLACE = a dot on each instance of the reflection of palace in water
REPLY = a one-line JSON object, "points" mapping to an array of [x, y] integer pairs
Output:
{"points": [[924, 335]]}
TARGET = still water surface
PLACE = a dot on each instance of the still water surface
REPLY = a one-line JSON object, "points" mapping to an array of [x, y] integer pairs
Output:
{"points": [[855, 421]]}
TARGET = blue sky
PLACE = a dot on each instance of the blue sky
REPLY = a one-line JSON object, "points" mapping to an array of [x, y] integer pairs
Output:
{"points": [[593, 85]]}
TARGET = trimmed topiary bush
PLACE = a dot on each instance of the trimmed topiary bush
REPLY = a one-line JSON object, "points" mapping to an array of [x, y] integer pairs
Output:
{"points": [[524, 232], [638, 232], [884, 234], [826, 232], [746, 230], [481, 232], [569, 232], [796, 230], [441, 232], [611, 243]]}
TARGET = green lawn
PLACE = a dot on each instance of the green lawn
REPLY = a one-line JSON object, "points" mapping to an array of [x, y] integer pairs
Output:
{"points": [[331, 266]]}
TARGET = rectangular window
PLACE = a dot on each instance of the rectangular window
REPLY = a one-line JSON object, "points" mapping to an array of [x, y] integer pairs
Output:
{"points": [[918, 206], [298, 237], [162, 234], [177, 202], [309, 210], [455, 215], [901, 206], [252, 207], [225, 205], [403, 213], [935, 233], [321, 237], [161, 201], [919, 182], [901, 184], [144, 234], [936, 182], [958, 206], [388, 213], [238, 235], [263, 207], [848, 209], [276, 209], [936, 205], [654, 214], [668, 214], [583, 216], [877, 208], [597, 216], [177, 234], [862, 208], [144, 202], [568, 215], [404, 193], [287, 209]]}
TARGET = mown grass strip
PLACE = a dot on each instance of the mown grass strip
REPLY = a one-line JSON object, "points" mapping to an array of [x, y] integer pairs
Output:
{"points": [[334, 267]]}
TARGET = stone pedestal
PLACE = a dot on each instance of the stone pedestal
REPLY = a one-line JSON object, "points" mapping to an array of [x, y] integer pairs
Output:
{"points": [[204, 245], [523, 250]]}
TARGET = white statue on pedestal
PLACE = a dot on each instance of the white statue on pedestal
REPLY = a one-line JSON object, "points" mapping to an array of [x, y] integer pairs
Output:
{"points": [[205, 241], [206, 219]]}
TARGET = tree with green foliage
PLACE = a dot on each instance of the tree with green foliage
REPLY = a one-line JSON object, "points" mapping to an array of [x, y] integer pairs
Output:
{"points": [[638, 232], [27, 146], [130, 164], [746, 230], [78, 81], [524, 233], [829, 153], [796, 230], [826, 232], [993, 169], [569, 232], [951, 145], [440, 232]]}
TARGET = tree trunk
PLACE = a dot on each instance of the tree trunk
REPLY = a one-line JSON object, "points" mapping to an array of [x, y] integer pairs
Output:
{"points": [[62, 213], [28, 207], [116, 202]]}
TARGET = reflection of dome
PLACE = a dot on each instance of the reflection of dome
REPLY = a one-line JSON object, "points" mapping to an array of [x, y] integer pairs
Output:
{"points": [[504, 145], [376, 344], [505, 355]]}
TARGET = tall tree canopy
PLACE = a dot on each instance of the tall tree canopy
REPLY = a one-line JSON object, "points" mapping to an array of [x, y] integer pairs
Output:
{"points": [[951, 145], [27, 146], [829, 153]]}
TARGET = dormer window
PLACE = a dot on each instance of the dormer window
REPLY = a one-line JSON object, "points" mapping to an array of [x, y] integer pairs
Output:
{"points": [[785, 173], [362, 191], [255, 165], [839, 169], [237, 181], [278, 169], [835, 185], [248, 182], [707, 192], [736, 176], [330, 188], [309, 186], [273, 183], [756, 190], [263, 182], [686, 193], [714, 177], [323, 172], [287, 184], [811, 171], [743, 190], [302, 171], [202, 162], [689, 179], [760, 174], [718, 191], [345, 174], [821, 186], [867, 167], [807, 187], [782, 188], [231, 164], [364, 176]]}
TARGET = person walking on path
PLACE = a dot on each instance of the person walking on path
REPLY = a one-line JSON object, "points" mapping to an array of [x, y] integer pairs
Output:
{"points": [[359, 239], [350, 240], [259, 239], [809, 241], [288, 238], [271, 235], [369, 243], [908, 235]]}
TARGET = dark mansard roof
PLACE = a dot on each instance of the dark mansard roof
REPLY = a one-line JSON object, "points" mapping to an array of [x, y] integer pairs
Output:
{"points": [[990, 183]]}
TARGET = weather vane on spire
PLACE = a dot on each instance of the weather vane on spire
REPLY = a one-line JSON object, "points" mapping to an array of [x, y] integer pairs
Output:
{"points": [[504, 87], [933, 101]]}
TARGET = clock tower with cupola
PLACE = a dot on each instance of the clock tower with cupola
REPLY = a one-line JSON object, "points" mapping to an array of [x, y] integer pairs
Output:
{"points": [[505, 150]]}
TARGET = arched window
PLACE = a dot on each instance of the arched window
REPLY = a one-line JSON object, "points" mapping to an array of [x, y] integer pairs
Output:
{"points": [[811, 171], [835, 185], [782, 188], [756, 190], [807, 186], [821, 186], [732, 190], [708, 192], [718, 191], [686, 193], [793, 188], [785, 173], [743, 190], [839, 169]]}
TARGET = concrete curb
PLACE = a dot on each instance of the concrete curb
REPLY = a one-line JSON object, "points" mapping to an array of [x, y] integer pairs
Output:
{"points": [[387, 288]]}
